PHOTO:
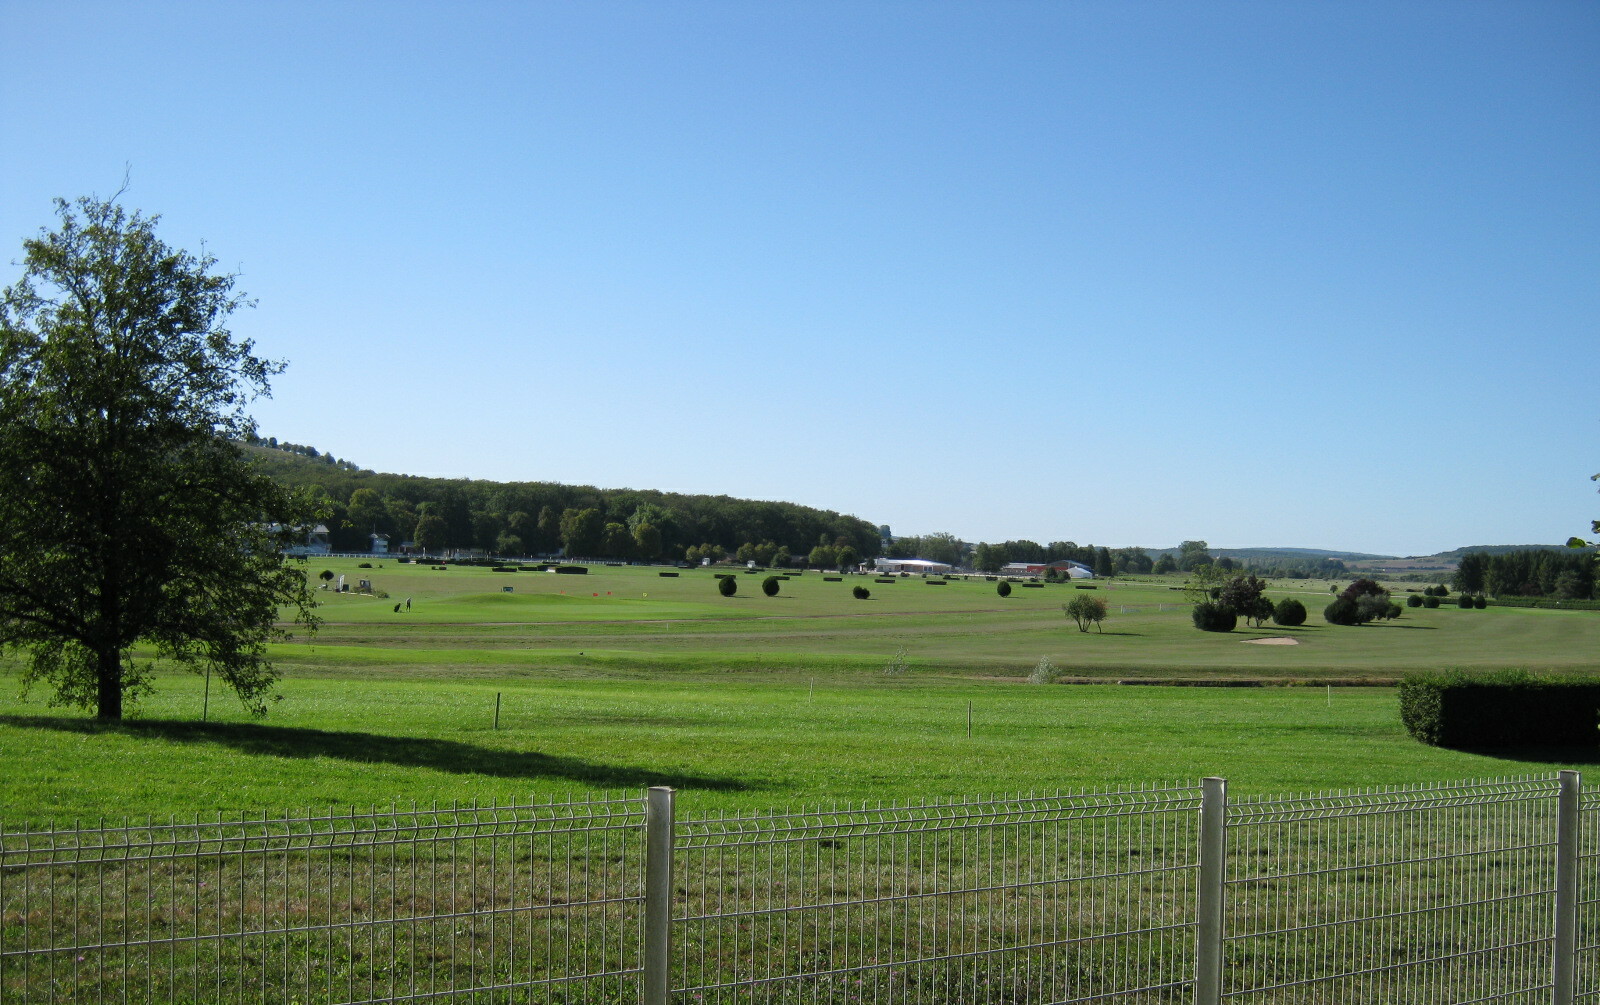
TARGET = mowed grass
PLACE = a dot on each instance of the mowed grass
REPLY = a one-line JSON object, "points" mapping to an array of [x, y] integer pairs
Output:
{"points": [[622, 679]]}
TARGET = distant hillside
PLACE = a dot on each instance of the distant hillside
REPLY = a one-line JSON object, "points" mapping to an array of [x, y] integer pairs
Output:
{"points": [[1493, 549], [538, 518]]}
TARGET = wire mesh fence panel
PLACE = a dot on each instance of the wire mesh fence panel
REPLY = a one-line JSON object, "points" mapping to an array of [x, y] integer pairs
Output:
{"points": [[1055, 899], [1428, 894], [1588, 940], [527, 903]]}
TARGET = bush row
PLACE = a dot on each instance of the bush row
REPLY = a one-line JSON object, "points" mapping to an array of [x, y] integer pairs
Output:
{"points": [[1508, 709], [1546, 603]]}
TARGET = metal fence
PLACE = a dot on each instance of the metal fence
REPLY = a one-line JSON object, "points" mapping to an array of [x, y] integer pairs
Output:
{"points": [[1460, 893]]}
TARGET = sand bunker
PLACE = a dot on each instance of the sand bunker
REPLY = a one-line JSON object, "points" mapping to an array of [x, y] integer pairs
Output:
{"points": [[1276, 640]]}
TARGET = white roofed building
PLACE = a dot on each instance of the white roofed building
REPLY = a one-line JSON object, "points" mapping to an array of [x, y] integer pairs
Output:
{"points": [[895, 566]]}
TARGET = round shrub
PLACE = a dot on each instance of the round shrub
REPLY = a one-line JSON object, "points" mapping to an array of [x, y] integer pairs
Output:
{"points": [[1004, 589], [1413, 601], [1393, 612], [1480, 602], [1430, 602], [1289, 613], [1464, 602], [727, 586], [1209, 617], [861, 593], [769, 586], [1343, 611]]}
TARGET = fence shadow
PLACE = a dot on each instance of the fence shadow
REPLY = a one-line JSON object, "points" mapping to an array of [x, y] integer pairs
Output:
{"points": [[375, 748]]}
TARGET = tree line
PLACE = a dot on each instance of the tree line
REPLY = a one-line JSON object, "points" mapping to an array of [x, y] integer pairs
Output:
{"points": [[539, 518], [1562, 574]]}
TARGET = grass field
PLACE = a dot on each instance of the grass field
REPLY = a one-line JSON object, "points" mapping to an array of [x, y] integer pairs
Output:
{"points": [[622, 678]]}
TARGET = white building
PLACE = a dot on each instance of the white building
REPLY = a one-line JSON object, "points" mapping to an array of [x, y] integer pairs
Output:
{"points": [[895, 566]]}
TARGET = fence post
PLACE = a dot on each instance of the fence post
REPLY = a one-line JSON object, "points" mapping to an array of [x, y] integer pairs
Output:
{"points": [[658, 841], [1564, 963], [1208, 922]]}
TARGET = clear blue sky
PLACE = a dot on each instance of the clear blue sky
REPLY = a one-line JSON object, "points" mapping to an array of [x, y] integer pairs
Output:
{"points": [[1317, 274]]}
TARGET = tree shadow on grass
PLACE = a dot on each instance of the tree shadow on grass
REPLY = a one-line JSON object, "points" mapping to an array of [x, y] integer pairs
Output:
{"points": [[1544, 755], [373, 748]]}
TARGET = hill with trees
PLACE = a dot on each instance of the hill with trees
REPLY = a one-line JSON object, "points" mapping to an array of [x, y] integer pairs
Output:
{"points": [[536, 518]]}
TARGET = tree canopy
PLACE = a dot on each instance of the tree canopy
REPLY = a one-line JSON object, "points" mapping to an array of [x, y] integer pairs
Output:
{"points": [[128, 513]]}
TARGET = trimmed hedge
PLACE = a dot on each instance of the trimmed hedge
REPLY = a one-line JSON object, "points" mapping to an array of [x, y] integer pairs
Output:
{"points": [[833, 579], [1508, 709], [1033, 586], [1084, 586], [727, 585], [667, 575], [769, 586], [935, 582], [1003, 588], [1542, 603], [860, 592], [883, 581], [572, 570]]}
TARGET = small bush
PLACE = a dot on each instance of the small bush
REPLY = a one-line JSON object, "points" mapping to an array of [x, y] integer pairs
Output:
{"points": [[1003, 588], [1343, 611], [860, 592], [364, 565], [1290, 613], [572, 570], [667, 575], [1210, 617], [1464, 602], [1044, 673], [897, 666], [1413, 601], [1430, 602], [769, 586], [936, 582], [1480, 602], [1033, 586], [889, 580], [727, 585]]}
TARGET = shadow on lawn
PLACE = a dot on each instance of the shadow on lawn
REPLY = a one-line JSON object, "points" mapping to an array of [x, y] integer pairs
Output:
{"points": [[1545, 755], [373, 748]]}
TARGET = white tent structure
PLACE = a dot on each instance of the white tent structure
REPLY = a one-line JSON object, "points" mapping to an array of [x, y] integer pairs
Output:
{"points": [[895, 566]]}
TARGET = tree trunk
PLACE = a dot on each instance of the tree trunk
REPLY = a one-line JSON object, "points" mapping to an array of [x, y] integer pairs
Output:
{"points": [[108, 674]]}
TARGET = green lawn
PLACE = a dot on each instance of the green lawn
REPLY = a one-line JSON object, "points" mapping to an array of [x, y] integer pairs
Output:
{"points": [[621, 679]]}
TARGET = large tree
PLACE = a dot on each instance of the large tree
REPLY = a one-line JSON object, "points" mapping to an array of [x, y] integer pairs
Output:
{"points": [[129, 515]]}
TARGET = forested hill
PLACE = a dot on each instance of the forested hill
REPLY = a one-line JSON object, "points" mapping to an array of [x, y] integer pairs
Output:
{"points": [[515, 518]]}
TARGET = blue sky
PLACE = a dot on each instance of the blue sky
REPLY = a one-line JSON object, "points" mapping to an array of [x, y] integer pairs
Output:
{"points": [[1320, 274]]}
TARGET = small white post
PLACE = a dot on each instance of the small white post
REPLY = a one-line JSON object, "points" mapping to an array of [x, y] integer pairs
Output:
{"points": [[658, 841], [1564, 963], [1213, 873]]}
